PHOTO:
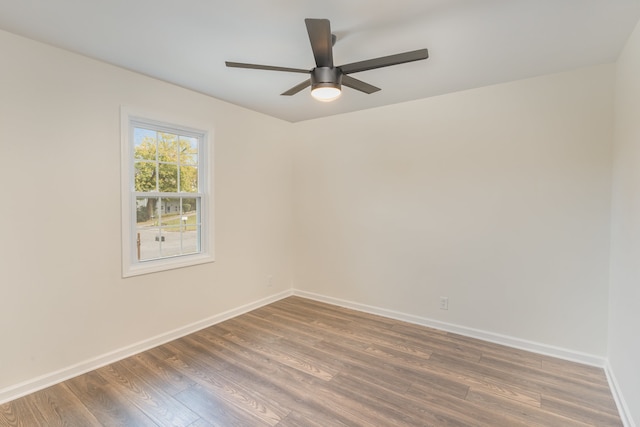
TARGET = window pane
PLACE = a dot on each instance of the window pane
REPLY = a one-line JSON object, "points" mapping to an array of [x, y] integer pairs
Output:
{"points": [[148, 237], [190, 218], [169, 210], [190, 243], [146, 211], [188, 150], [167, 147], [144, 144], [149, 241], [189, 207], [172, 244], [189, 179], [168, 178], [145, 176], [167, 226]]}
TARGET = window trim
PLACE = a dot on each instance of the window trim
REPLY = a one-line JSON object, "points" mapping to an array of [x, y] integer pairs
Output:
{"points": [[130, 264]]}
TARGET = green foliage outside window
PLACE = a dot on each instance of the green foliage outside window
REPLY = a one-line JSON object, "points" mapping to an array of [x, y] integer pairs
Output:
{"points": [[163, 162]]}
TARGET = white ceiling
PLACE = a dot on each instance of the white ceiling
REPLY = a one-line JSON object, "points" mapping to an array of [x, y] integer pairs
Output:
{"points": [[471, 43]]}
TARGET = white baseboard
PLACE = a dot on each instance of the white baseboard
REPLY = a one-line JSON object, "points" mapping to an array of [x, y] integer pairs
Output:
{"points": [[548, 350], [13, 392], [623, 409]]}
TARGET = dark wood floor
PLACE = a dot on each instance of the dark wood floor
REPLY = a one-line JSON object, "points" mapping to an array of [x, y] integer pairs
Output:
{"points": [[299, 362]]}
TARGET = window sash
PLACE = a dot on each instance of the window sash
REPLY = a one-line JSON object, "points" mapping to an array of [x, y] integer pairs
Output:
{"points": [[183, 229]]}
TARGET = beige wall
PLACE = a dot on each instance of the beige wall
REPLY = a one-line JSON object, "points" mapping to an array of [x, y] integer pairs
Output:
{"points": [[496, 197], [624, 338], [62, 298]]}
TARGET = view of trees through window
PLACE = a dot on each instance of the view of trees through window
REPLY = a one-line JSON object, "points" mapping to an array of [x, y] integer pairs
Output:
{"points": [[167, 196]]}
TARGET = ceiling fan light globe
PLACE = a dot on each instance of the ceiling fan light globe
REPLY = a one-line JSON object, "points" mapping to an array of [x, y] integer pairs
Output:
{"points": [[326, 93]]}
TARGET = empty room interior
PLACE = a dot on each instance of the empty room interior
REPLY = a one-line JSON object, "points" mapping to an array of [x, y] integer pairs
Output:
{"points": [[454, 240]]}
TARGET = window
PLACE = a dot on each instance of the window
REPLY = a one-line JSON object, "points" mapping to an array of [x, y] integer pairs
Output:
{"points": [[167, 216]]}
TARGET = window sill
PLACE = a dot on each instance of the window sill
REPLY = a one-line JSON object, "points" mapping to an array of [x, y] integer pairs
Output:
{"points": [[164, 264]]}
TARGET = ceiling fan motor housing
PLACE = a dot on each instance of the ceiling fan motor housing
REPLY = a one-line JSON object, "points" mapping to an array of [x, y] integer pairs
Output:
{"points": [[326, 77]]}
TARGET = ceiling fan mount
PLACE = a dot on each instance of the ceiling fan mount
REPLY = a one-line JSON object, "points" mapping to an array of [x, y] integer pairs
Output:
{"points": [[325, 79]]}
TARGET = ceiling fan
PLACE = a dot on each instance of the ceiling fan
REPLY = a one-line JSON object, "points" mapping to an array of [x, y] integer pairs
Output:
{"points": [[326, 79]]}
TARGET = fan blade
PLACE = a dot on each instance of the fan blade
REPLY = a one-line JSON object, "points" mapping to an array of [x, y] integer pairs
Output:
{"points": [[358, 85], [384, 61], [321, 41], [297, 88], [265, 67]]}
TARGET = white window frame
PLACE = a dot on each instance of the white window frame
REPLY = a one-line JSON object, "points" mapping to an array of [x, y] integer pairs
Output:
{"points": [[131, 266]]}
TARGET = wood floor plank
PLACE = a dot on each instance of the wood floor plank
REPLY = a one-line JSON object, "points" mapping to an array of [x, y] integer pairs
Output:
{"points": [[260, 330], [215, 410], [313, 332], [320, 419], [233, 393], [366, 405], [553, 377], [60, 407], [293, 389], [448, 410], [20, 413], [582, 394], [294, 359], [200, 422], [513, 355], [305, 394], [155, 402], [158, 374], [525, 413], [368, 367], [299, 362], [579, 412], [554, 383], [108, 406], [567, 368], [478, 380], [186, 347]]}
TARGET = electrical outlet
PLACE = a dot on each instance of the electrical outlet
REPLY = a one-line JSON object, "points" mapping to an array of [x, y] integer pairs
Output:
{"points": [[444, 303], [269, 281]]}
